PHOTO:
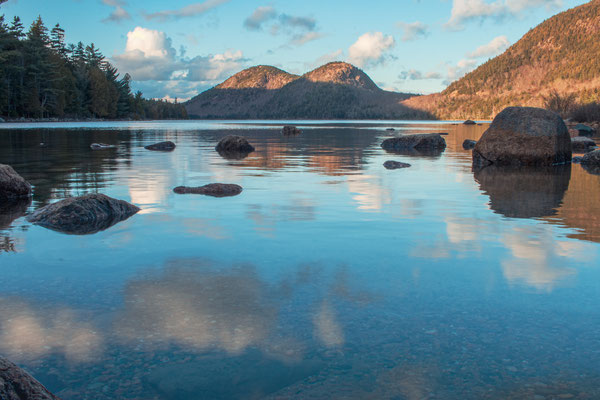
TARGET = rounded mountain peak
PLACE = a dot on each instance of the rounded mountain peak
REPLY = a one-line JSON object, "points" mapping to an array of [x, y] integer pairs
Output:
{"points": [[259, 77], [341, 73]]}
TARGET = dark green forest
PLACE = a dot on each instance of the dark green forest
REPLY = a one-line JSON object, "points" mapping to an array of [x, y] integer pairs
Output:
{"points": [[43, 77]]}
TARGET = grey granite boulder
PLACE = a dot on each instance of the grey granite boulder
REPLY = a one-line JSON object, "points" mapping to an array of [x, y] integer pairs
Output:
{"points": [[585, 130], [212, 189], [524, 136], [83, 215], [162, 146], [16, 384], [12, 185]]}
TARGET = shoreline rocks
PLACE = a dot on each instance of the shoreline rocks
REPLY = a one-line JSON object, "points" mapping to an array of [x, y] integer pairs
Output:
{"points": [[234, 147], [162, 146], [83, 215], [12, 185], [524, 136], [582, 144], [289, 130], [16, 384], [585, 130], [395, 165], [423, 141], [212, 189]]}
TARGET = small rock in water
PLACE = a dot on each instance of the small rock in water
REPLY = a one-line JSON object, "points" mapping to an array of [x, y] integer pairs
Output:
{"points": [[101, 146], [12, 185], [83, 215], [469, 122], [577, 160], [212, 189], [162, 146], [418, 141], [289, 130], [591, 158], [234, 147], [395, 165], [469, 144], [390, 129], [582, 143]]}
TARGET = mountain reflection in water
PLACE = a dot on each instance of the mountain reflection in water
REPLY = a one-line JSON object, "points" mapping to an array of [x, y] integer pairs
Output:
{"points": [[328, 275]]}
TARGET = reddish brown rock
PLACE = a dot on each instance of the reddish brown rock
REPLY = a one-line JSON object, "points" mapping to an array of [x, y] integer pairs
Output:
{"points": [[12, 185], [16, 384], [524, 136], [212, 189], [83, 215]]}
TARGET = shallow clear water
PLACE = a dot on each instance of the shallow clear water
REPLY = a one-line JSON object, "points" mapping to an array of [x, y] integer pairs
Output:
{"points": [[328, 277]]}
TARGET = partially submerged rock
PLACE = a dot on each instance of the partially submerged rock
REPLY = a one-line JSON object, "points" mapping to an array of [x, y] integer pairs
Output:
{"points": [[582, 144], [289, 130], [395, 165], [83, 215], [424, 141], [469, 144], [212, 189], [234, 147], [524, 192], [585, 130], [102, 146], [469, 122], [576, 160], [390, 129], [524, 136], [162, 146], [591, 162], [16, 384], [12, 185]]}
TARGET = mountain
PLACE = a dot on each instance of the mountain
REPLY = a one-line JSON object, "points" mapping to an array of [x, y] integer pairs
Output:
{"points": [[333, 91], [561, 54]]}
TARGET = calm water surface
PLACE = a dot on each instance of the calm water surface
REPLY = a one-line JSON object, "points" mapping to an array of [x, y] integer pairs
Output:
{"points": [[328, 277]]}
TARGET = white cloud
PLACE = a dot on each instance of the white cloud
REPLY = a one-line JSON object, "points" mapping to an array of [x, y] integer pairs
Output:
{"points": [[415, 75], [187, 11], [370, 49], [460, 69], [469, 10], [300, 30], [493, 48], [150, 57], [413, 30], [119, 13]]}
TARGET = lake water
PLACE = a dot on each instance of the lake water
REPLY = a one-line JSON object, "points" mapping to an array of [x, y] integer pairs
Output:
{"points": [[328, 277]]}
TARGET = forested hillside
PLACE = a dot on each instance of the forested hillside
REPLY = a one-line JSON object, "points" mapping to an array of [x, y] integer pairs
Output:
{"points": [[559, 56], [43, 77]]}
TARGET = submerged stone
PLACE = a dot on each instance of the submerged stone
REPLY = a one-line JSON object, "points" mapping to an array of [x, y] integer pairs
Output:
{"points": [[83, 215], [395, 165], [289, 130], [425, 141], [16, 384], [469, 144], [212, 189], [162, 146]]}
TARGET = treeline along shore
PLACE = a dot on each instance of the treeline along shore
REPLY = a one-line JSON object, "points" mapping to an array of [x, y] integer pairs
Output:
{"points": [[42, 77]]}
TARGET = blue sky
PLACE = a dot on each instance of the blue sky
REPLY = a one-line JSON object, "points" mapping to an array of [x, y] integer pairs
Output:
{"points": [[180, 48]]}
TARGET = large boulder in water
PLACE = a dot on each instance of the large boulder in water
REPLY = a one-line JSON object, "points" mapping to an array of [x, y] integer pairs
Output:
{"points": [[235, 147], [212, 189], [16, 384], [424, 141], [83, 215], [524, 192], [162, 146], [524, 136], [12, 185]]}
